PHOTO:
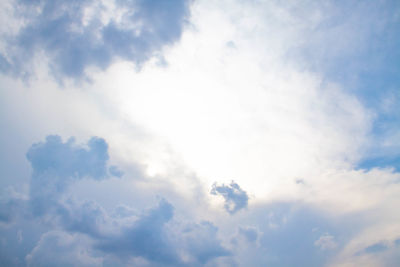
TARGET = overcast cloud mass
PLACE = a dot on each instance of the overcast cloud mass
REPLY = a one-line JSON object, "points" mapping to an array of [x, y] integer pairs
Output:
{"points": [[199, 133]]}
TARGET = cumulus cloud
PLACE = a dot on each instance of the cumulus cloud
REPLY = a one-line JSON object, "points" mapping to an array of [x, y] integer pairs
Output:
{"points": [[56, 165], [235, 197], [75, 35], [68, 161], [146, 238], [84, 217], [86, 232], [202, 242], [82, 232], [153, 236]]}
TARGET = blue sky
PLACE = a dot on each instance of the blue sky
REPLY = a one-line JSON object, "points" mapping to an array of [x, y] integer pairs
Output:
{"points": [[199, 133]]}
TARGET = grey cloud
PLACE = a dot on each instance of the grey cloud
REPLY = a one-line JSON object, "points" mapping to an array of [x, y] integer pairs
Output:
{"points": [[235, 197], [300, 181], [249, 233], [152, 235], [56, 165], [201, 240], [72, 44], [82, 232], [87, 218], [76, 232], [123, 211], [155, 237], [67, 160], [146, 238]]}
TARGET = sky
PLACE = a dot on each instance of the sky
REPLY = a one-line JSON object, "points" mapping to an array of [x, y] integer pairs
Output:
{"points": [[199, 133]]}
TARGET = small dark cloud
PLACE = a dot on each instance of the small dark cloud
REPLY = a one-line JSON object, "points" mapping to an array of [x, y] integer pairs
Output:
{"points": [[235, 197]]}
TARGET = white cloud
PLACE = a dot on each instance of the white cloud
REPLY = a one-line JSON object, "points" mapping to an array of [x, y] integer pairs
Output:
{"points": [[325, 242], [232, 103], [241, 113]]}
